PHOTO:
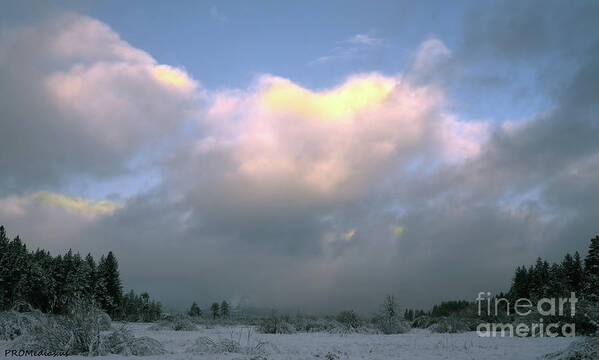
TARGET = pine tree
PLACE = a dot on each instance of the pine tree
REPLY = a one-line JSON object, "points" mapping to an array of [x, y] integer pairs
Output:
{"points": [[109, 283], [574, 272], [520, 284], [591, 262], [91, 278], [41, 281], [558, 281], [224, 309], [194, 310], [591, 267], [215, 309], [16, 265], [5, 270]]}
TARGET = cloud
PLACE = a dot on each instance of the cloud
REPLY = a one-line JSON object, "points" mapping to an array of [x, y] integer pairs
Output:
{"points": [[328, 141], [356, 46], [217, 15], [79, 100], [364, 39], [76, 204], [56, 222]]}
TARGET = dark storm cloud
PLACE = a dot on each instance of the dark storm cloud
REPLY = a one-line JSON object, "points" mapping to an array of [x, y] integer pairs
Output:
{"points": [[525, 31]]}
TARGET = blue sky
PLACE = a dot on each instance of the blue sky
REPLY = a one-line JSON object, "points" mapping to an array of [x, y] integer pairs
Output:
{"points": [[340, 142]]}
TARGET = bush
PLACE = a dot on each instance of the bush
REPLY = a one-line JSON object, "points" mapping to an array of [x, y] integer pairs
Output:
{"points": [[12, 325], [349, 319], [233, 344], [178, 322], [79, 332], [75, 333], [582, 349], [122, 341], [453, 324], [392, 325], [275, 325], [388, 320], [423, 322]]}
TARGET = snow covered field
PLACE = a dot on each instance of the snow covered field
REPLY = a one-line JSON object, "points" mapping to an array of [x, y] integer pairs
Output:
{"points": [[417, 344]]}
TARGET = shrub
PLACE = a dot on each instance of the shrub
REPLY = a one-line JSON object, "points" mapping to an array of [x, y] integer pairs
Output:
{"points": [[423, 322], [233, 344], [452, 324], [349, 319], [179, 322], [275, 325], [388, 321], [586, 348], [122, 341], [79, 332], [76, 333]]}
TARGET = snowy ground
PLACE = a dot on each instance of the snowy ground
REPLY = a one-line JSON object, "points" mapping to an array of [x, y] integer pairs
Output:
{"points": [[417, 344]]}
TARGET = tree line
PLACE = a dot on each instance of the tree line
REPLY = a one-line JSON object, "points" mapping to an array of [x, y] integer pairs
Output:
{"points": [[534, 282], [545, 280], [216, 310], [54, 284]]}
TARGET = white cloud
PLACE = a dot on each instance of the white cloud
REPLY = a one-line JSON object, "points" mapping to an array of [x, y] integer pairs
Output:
{"points": [[365, 39], [91, 100], [217, 15], [430, 54], [337, 141], [356, 46]]}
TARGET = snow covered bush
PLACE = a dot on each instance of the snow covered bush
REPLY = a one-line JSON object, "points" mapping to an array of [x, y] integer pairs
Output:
{"points": [[12, 325], [349, 319], [388, 320], [82, 331], [586, 348], [587, 317], [179, 322], [453, 324], [79, 332], [274, 324], [423, 322], [240, 342], [122, 341]]}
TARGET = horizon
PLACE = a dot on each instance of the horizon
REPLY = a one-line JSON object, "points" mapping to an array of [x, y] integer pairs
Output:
{"points": [[309, 157]]}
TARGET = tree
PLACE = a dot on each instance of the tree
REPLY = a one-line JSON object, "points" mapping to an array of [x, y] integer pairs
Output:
{"points": [[110, 288], [390, 306], [574, 272], [591, 262], [389, 321], [224, 309], [195, 310], [521, 284], [591, 267], [91, 276], [57, 284], [215, 310]]}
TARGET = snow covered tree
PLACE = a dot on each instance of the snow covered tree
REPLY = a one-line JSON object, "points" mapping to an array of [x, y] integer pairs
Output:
{"points": [[574, 272], [109, 283], [224, 309], [215, 309], [194, 310], [591, 267], [591, 262], [521, 284], [389, 318]]}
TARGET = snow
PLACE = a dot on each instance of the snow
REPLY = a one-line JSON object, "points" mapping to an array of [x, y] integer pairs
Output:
{"points": [[416, 344]]}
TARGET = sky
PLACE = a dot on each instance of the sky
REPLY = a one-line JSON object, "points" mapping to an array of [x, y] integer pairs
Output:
{"points": [[302, 155]]}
